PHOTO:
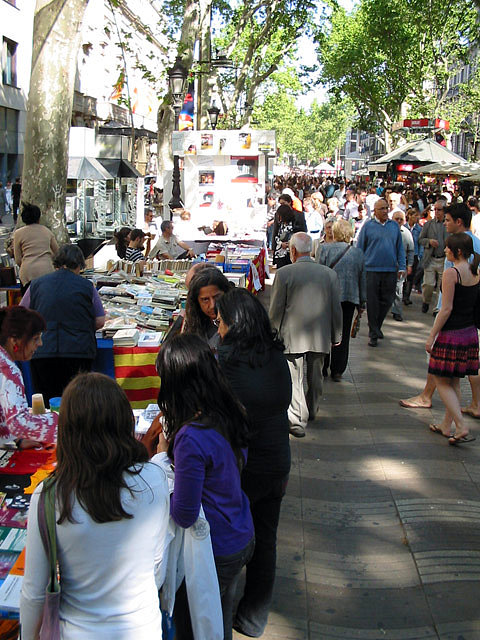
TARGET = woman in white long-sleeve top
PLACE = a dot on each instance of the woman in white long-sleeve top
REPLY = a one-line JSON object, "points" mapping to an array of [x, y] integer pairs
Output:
{"points": [[112, 511]]}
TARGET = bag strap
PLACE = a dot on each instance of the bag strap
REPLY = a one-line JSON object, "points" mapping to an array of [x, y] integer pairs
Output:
{"points": [[335, 262], [47, 526]]}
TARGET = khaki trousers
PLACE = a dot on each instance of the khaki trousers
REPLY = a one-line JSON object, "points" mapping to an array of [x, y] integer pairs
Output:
{"points": [[430, 273], [305, 405]]}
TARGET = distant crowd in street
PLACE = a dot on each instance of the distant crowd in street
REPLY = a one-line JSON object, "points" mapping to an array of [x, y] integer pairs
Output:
{"points": [[383, 241]]}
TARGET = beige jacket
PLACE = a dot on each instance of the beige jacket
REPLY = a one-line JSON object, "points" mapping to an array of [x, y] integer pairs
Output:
{"points": [[34, 247], [305, 307]]}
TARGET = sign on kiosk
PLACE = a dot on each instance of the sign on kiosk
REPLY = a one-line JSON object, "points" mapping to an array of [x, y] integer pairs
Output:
{"points": [[224, 174]]}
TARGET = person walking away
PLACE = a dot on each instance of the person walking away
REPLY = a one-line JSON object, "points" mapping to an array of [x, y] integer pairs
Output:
{"points": [[381, 242], [305, 309], [408, 247], [3, 202], [432, 238], [349, 264], [34, 246], [415, 229], [16, 194], [8, 197]]}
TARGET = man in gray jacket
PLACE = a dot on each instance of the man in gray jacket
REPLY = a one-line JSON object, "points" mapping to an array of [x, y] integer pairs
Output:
{"points": [[306, 311], [433, 238]]}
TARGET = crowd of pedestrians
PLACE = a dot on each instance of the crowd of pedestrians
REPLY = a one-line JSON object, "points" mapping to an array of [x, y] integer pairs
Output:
{"points": [[199, 499]]}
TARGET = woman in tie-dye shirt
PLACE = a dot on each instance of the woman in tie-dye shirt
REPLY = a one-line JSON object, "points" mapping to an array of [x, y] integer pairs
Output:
{"points": [[20, 336]]}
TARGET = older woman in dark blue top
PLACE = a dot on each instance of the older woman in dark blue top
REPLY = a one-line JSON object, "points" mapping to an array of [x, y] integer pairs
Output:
{"points": [[253, 362], [206, 429]]}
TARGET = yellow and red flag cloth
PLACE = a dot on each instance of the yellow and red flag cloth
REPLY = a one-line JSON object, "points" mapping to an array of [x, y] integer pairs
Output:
{"points": [[135, 372]]}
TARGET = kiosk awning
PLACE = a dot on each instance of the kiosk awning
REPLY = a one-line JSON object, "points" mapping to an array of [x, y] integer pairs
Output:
{"points": [[83, 168], [120, 168]]}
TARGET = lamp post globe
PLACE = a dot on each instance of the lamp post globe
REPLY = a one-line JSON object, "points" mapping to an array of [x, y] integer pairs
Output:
{"points": [[213, 113]]}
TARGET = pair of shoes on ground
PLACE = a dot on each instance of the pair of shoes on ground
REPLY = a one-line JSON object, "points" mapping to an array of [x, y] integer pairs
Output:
{"points": [[425, 307], [297, 431], [397, 317], [336, 377]]}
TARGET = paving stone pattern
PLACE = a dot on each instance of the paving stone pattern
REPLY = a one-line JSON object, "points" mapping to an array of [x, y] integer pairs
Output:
{"points": [[379, 536]]}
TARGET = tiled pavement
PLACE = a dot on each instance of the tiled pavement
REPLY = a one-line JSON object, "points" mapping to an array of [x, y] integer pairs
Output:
{"points": [[379, 536]]}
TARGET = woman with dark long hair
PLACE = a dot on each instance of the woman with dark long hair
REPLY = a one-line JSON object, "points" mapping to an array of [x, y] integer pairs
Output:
{"points": [[206, 287], [122, 238], [206, 437], [251, 357], [111, 522], [453, 340]]}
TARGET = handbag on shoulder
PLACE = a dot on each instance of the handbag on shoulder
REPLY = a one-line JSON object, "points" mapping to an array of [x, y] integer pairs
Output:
{"points": [[50, 629]]}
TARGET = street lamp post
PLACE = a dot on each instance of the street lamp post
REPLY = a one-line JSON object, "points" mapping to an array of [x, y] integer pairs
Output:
{"points": [[213, 113], [177, 82]]}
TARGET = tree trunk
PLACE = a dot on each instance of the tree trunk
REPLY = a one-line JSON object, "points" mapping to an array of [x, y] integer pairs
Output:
{"points": [[165, 115], [56, 38]]}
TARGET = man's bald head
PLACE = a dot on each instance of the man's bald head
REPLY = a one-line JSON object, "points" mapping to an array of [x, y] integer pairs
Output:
{"points": [[380, 210]]}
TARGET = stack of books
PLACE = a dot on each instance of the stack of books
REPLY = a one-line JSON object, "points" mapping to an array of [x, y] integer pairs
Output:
{"points": [[126, 338]]}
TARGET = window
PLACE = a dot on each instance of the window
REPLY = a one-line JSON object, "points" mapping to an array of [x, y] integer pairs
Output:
{"points": [[10, 62]]}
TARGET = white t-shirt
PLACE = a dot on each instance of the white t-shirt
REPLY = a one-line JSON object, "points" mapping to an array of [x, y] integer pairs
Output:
{"points": [[476, 225], [108, 571]]}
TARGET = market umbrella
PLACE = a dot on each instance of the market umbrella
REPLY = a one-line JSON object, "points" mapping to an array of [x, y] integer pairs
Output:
{"points": [[434, 167], [426, 150], [324, 166]]}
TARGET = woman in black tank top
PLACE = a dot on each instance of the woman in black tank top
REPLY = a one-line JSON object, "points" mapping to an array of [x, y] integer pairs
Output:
{"points": [[453, 340]]}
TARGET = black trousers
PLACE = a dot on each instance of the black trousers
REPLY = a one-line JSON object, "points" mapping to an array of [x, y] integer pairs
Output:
{"points": [[381, 288], [50, 376], [265, 494], [228, 571], [338, 357]]}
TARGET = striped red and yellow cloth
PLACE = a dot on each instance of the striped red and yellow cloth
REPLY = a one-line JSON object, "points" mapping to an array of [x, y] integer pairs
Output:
{"points": [[135, 372]]}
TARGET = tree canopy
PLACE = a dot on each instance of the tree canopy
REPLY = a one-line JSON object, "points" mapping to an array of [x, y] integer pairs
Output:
{"points": [[392, 56]]}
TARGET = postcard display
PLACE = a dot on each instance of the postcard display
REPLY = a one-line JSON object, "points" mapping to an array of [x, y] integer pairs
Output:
{"points": [[224, 176]]}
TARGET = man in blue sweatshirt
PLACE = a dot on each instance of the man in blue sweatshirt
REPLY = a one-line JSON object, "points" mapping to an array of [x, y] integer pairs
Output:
{"points": [[381, 242]]}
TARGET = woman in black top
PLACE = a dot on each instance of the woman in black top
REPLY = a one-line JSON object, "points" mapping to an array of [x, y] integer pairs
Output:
{"points": [[252, 359], [288, 224], [453, 340]]}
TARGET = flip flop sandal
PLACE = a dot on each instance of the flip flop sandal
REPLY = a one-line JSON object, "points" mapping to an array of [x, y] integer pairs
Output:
{"points": [[436, 429], [454, 440], [469, 412]]}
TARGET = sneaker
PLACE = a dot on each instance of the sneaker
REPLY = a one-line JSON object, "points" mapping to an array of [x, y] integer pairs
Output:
{"points": [[297, 431], [425, 307]]}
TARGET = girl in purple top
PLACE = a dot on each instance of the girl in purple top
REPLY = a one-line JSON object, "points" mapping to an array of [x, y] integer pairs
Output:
{"points": [[206, 437]]}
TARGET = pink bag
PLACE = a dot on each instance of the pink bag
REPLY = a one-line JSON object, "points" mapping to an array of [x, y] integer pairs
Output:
{"points": [[50, 629]]}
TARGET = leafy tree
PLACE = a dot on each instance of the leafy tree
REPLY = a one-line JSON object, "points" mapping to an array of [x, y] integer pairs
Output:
{"points": [[387, 55]]}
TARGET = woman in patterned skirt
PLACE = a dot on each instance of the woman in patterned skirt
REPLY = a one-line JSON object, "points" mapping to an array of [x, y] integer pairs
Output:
{"points": [[453, 340]]}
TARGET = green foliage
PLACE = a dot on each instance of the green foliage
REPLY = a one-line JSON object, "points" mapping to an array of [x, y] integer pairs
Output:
{"points": [[387, 53], [308, 135]]}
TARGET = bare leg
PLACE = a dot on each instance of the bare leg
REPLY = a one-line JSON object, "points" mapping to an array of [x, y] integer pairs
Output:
{"points": [[424, 399], [449, 392], [473, 409]]}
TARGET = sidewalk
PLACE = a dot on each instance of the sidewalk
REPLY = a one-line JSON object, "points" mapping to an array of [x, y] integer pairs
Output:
{"points": [[379, 536]]}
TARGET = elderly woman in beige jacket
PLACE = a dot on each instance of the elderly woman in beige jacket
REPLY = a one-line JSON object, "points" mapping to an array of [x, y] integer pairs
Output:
{"points": [[34, 247]]}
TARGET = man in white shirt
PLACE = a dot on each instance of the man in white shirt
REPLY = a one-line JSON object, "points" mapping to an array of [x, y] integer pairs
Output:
{"points": [[473, 206], [169, 247]]}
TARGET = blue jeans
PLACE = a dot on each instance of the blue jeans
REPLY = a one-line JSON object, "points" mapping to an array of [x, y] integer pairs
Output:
{"points": [[265, 493], [228, 572]]}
